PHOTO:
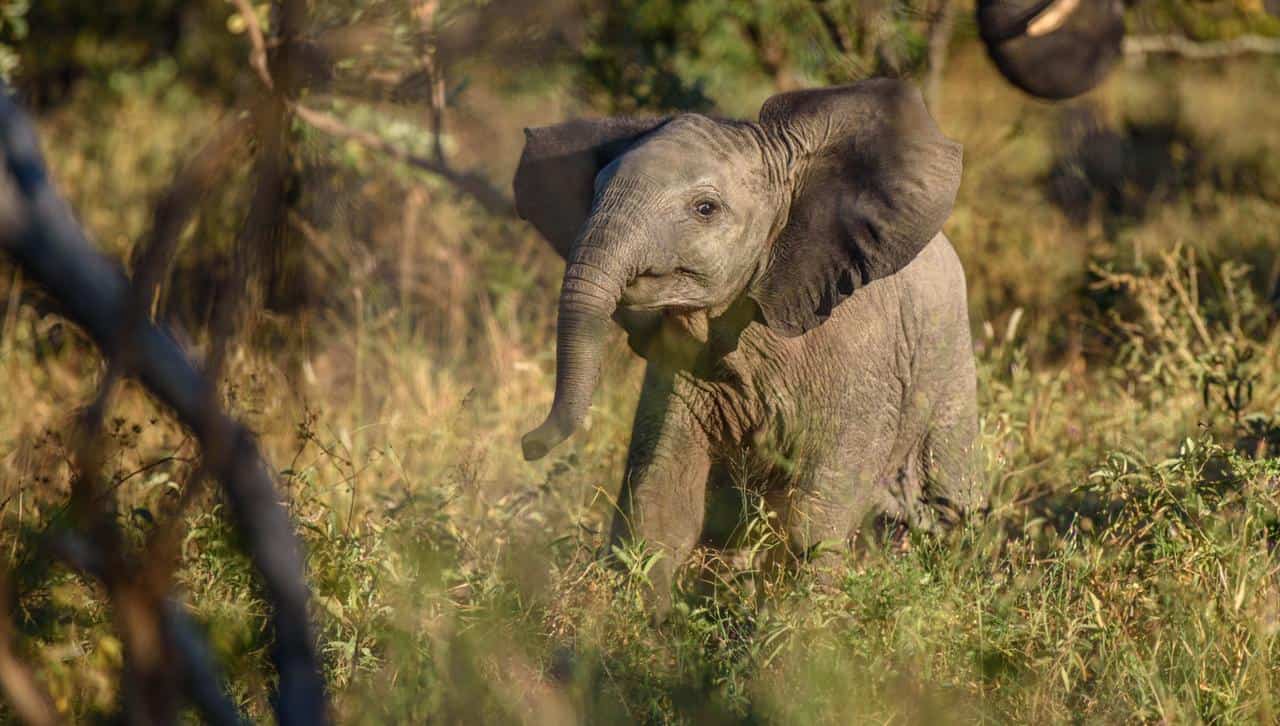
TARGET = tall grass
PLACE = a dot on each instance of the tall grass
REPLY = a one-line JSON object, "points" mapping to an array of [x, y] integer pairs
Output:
{"points": [[1128, 390]]}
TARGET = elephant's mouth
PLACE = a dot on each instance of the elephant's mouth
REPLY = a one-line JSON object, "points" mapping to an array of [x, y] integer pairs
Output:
{"points": [[676, 290]]}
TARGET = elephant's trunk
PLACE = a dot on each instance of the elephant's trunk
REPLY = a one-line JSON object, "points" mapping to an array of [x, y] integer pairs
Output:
{"points": [[597, 272]]}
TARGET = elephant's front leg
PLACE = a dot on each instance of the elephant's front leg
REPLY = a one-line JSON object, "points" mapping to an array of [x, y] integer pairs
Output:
{"points": [[663, 496], [834, 491], [817, 515]]}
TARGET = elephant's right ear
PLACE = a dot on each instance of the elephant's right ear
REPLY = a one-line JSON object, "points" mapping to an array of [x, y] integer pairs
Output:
{"points": [[555, 181]]}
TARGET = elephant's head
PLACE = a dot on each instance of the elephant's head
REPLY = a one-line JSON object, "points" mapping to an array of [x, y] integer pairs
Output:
{"points": [[1053, 48], [830, 190]]}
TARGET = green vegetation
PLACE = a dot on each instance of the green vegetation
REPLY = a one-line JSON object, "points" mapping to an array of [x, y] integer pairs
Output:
{"points": [[1123, 281]]}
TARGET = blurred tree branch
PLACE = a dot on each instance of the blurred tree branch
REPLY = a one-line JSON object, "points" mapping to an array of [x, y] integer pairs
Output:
{"points": [[471, 184], [424, 11], [258, 54], [1144, 45], [42, 236]]}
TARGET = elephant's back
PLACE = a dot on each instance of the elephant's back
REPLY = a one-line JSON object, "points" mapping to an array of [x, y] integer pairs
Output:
{"points": [[900, 332], [934, 303], [874, 343], [935, 276], [926, 294]]}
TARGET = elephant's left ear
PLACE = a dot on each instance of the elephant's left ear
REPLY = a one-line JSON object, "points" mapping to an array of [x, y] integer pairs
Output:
{"points": [[874, 179], [1053, 49]]}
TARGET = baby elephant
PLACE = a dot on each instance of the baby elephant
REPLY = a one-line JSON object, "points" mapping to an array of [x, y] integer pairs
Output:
{"points": [[803, 318]]}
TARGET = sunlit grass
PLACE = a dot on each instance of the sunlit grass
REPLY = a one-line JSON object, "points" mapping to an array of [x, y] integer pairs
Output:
{"points": [[1126, 569]]}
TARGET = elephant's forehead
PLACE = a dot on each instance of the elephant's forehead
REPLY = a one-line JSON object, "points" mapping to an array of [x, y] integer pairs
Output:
{"points": [[706, 138], [689, 149]]}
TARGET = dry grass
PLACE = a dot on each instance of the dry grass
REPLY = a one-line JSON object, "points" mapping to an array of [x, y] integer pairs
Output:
{"points": [[1128, 397]]}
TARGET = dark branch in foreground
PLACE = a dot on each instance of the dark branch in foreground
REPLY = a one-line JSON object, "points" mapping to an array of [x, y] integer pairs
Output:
{"points": [[42, 236]]}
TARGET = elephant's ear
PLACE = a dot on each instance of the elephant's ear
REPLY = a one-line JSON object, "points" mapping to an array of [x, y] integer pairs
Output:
{"points": [[873, 181], [555, 180], [1053, 48]]}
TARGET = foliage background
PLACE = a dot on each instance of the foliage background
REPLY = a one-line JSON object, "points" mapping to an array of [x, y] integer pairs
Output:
{"points": [[397, 338]]}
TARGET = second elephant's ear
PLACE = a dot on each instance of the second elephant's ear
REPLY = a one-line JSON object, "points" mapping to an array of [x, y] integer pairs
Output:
{"points": [[873, 181], [554, 183], [1053, 49]]}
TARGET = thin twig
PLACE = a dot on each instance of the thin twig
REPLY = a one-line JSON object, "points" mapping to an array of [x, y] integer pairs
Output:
{"points": [[469, 183], [258, 54], [1142, 45], [424, 11]]}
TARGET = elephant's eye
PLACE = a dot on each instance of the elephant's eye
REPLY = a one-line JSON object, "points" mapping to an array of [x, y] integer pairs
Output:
{"points": [[705, 208]]}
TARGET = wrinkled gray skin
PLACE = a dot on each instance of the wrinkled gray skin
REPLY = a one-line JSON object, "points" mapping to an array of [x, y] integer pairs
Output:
{"points": [[804, 319]]}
